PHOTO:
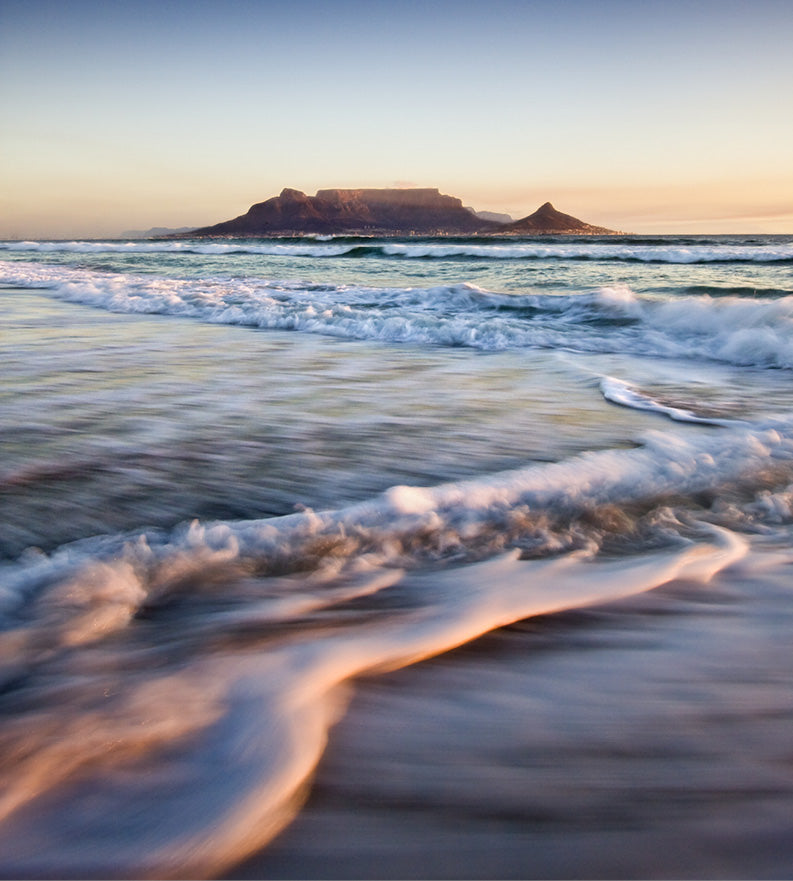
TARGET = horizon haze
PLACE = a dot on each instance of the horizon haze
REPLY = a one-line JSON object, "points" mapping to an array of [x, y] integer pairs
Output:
{"points": [[657, 118]]}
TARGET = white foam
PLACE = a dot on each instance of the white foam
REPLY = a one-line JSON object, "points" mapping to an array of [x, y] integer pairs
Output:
{"points": [[748, 332], [244, 694], [195, 246], [390, 525], [654, 253], [247, 727], [326, 246], [620, 392]]}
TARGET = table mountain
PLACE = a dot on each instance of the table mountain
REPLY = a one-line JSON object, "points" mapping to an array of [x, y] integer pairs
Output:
{"points": [[386, 212], [389, 211]]}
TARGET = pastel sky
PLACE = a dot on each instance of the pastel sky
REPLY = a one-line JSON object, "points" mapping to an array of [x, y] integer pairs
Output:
{"points": [[644, 116]]}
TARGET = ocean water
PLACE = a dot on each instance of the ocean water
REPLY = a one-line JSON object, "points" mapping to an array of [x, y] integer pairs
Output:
{"points": [[397, 558]]}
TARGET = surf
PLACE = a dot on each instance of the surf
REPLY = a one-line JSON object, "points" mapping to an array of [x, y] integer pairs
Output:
{"points": [[630, 250], [752, 331], [201, 751]]}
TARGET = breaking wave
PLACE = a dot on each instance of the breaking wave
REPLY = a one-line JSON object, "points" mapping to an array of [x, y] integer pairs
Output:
{"points": [[480, 516], [754, 332], [188, 679], [476, 249]]}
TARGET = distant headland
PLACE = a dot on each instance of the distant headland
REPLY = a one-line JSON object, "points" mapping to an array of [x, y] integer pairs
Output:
{"points": [[391, 212]]}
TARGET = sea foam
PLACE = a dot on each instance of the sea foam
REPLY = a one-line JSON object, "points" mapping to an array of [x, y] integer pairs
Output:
{"points": [[318, 247], [749, 332], [250, 726]]}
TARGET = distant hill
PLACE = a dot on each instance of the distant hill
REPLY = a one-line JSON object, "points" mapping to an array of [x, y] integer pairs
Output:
{"points": [[386, 212], [546, 220], [490, 215]]}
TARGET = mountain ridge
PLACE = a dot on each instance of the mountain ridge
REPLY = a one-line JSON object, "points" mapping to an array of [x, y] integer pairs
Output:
{"points": [[368, 211]]}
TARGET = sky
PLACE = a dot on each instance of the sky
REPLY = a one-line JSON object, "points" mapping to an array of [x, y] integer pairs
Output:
{"points": [[643, 116]]}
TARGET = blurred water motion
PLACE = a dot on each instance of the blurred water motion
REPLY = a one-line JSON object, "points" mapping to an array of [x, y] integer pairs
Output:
{"points": [[464, 561]]}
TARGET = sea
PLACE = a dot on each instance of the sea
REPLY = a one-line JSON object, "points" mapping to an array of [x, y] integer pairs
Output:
{"points": [[360, 557]]}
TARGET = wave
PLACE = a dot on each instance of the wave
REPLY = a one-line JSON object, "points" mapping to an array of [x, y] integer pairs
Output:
{"points": [[220, 653], [637, 252], [183, 247], [171, 692], [744, 291], [405, 522], [755, 332], [626, 395], [187, 771], [600, 252]]}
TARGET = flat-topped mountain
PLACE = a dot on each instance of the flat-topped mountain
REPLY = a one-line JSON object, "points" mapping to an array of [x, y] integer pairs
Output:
{"points": [[389, 211], [385, 212]]}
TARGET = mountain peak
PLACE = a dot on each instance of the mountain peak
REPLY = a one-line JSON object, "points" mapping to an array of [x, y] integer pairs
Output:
{"points": [[290, 195], [546, 220]]}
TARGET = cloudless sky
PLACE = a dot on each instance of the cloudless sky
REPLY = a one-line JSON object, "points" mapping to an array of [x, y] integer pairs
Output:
{"points": [[641, 115]]}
